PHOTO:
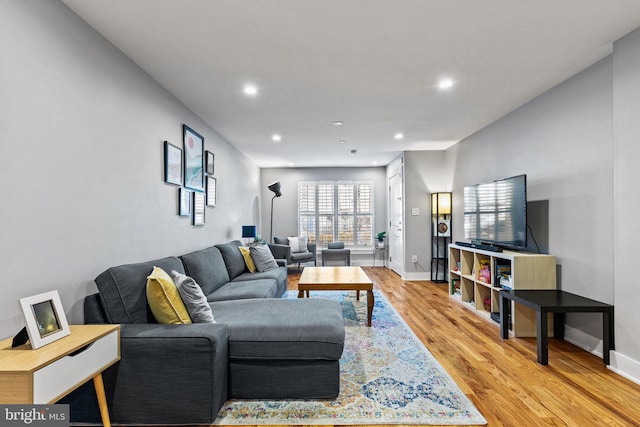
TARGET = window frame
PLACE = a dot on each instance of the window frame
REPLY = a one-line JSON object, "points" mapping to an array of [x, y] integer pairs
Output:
{"points": [[317, 213]]}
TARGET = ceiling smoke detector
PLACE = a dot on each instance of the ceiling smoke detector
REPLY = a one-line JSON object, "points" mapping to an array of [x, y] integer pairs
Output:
{"points": [[354, 151]]}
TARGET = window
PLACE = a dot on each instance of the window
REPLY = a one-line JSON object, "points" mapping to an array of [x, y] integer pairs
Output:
{"points": [[336, 211]]}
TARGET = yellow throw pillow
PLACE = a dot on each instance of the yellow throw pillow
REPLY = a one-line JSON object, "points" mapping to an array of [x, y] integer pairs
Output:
{"points": [[164, 299], [246, 254]]}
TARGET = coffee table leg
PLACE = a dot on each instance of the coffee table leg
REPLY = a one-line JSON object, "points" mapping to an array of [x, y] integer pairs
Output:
{"points": [[369, 307], [300, 294]]}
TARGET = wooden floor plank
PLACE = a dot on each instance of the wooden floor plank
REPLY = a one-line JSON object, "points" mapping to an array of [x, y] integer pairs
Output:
{"points": [[501, 377]]}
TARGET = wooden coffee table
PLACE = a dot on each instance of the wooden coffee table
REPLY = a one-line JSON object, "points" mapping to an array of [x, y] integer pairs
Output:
{"points": [[337, 279]]}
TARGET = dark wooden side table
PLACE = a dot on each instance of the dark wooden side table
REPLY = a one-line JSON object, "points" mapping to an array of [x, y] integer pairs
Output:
{"points": [[559, 303]]}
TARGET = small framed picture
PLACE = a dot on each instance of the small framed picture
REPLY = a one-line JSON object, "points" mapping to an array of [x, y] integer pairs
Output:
{"points": [[209, 157], [193, 159], [172, 164], [184, 202], [45, 318], [211, 191], [198, 208]]}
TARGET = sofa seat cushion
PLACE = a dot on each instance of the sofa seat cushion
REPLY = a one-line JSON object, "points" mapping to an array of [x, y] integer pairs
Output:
{"points": [[283, 329], [265, 288], [278, 274]]}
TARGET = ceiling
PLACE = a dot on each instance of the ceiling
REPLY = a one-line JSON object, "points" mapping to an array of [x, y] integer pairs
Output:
{"points": [[372, 64]]}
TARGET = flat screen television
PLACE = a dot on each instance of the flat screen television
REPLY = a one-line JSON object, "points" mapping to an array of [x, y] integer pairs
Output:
{"points": [[495, 213]]}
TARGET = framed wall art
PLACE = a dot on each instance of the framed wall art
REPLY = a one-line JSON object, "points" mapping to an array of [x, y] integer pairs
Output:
{"points": [[209, 157], [45, 318], [193, 159], [184, 202], [211, 191], [172, 164], [198, 208]]}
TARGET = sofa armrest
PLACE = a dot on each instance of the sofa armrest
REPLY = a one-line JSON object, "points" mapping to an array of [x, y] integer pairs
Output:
{"points": [[280, 251], [311, 247], [282, 262], [167, 374]]}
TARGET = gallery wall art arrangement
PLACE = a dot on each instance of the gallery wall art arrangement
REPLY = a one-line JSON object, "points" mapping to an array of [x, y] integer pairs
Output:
{"points": [[191, 169]]}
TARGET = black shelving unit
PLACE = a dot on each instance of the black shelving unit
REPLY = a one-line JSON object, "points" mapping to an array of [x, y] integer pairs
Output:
{"points": [[440, 236]]}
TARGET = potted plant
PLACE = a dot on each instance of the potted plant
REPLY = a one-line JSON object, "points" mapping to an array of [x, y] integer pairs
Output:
{"points": [[381, 236]]}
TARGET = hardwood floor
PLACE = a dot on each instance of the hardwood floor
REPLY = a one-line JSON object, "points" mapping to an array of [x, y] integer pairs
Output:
{"points": [[501, 377]]}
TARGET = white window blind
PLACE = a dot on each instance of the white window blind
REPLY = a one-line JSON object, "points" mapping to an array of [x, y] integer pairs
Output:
{"points": [[336, 211]]}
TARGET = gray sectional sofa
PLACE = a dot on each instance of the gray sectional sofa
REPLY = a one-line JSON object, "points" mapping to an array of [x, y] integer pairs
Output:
{"points": [[261, 346]]}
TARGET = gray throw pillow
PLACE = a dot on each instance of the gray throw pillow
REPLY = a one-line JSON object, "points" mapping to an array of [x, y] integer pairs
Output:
{"points": [[263, 258], [193, 298]]}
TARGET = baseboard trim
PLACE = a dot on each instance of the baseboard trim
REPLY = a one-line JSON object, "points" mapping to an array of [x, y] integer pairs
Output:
{"points": [[619, 363], [416, 276]]}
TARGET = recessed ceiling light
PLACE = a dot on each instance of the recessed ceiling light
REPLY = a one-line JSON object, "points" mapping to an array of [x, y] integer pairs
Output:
{"points": [[276, 137], [374, 163], [445, 83], [342, 141], [398, 135], [250, 90], [338, 123]]}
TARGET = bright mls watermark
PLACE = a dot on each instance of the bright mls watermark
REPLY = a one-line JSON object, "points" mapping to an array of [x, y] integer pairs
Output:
{"points": [[34, 415]]}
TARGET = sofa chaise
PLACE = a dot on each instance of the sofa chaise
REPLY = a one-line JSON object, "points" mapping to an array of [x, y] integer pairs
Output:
{"points": [[261, 346]]}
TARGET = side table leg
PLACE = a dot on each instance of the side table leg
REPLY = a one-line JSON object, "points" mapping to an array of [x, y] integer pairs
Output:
{"points": [[542, 337], [606, 337], [369, 307], [300, 294], [102, 400], [505, 308]]}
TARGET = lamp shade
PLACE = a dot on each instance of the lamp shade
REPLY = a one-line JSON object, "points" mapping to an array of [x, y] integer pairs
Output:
{"points": [[249, 231], [441, 203], [275, 187]]}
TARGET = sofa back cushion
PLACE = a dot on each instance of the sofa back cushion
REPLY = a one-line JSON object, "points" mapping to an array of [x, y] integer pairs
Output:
{"points": [[207, 268], [123, 290], [233, 258]]}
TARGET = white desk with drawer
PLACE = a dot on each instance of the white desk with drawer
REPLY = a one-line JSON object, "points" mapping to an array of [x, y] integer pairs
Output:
{"points": [[49, 373]]}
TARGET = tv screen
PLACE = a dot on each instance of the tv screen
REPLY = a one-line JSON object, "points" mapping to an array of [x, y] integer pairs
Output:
{"points": [[496, 212]]}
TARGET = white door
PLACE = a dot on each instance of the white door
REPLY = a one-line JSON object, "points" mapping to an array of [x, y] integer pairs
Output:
{"points": [[396, 208]]}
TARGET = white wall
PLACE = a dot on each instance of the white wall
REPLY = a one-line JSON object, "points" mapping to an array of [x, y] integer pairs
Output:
{"points": [[285, 208], [564, 142], [425, 173], [626, 103], [81, 146]]}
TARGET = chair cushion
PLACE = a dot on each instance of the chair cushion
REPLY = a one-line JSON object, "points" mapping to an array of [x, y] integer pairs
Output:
{"points": [[298, 244], [301, 256], [283, 329]]}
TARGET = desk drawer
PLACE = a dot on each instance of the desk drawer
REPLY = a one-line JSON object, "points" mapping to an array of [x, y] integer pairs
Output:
{"points": [[53, 381]]}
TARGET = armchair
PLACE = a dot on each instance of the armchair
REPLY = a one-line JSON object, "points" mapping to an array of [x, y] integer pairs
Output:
{"points": [[336, 252], [282, 250]]}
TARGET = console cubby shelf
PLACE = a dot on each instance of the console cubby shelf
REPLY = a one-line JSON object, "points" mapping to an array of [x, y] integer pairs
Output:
{"points": [[473, 281]]}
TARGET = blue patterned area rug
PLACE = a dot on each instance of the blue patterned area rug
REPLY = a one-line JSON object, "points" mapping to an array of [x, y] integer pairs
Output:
{"points": [[386, 377]]}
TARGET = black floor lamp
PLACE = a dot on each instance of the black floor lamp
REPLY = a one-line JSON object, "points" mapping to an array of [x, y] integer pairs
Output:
{"points": [[275, 187]]}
